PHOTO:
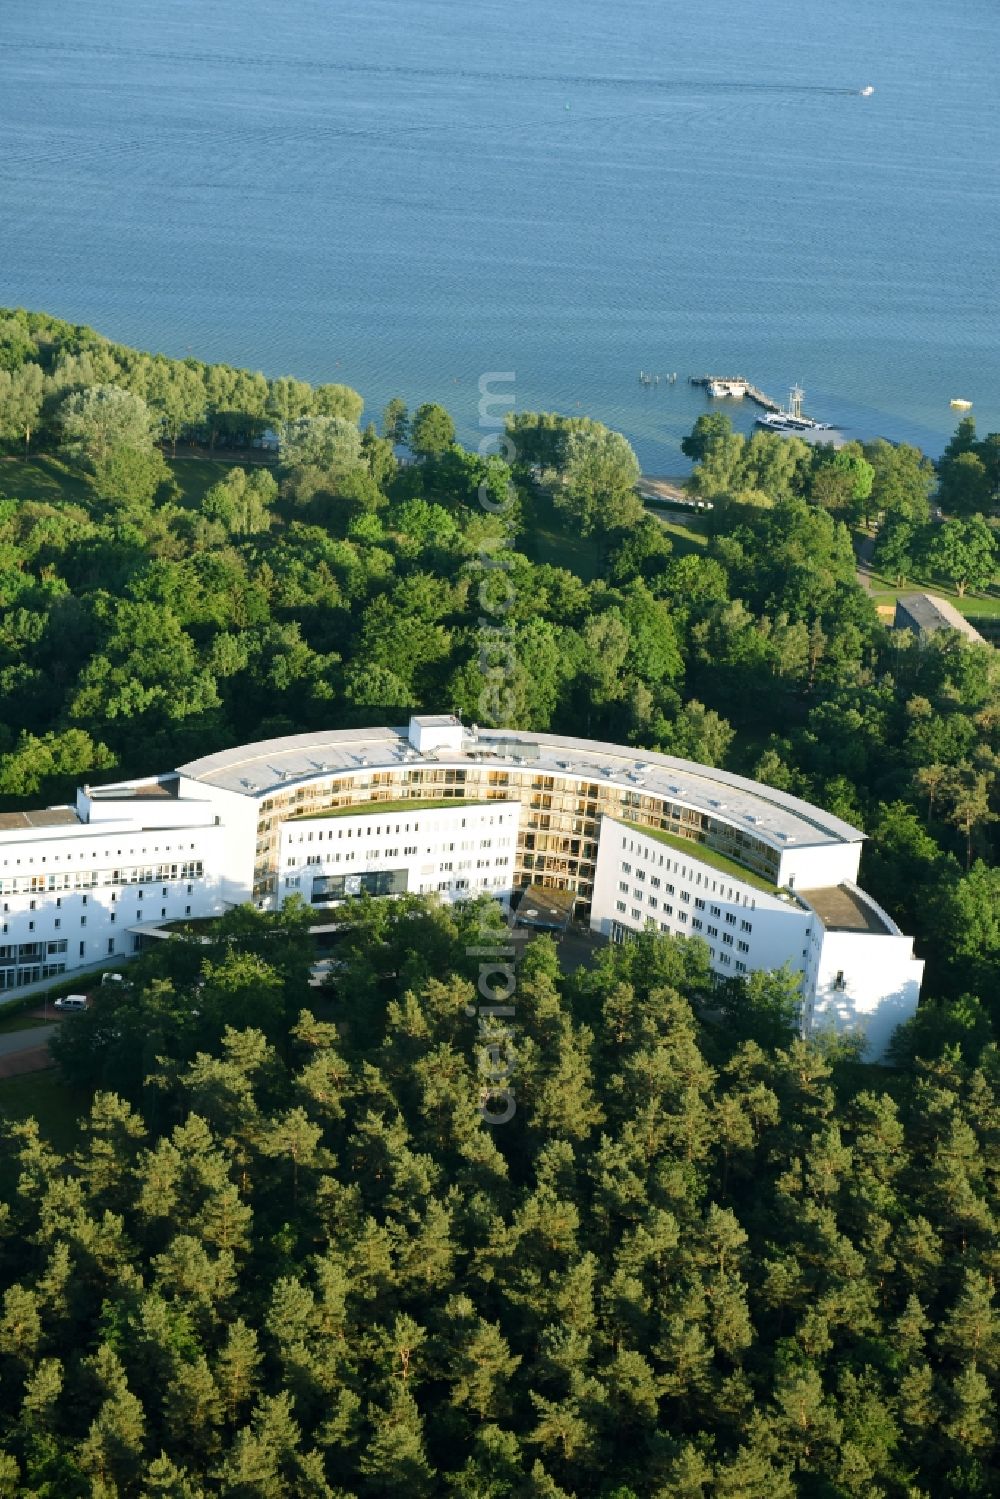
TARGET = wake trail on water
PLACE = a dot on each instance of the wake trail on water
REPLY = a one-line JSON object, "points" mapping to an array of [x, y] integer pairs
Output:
{"points": [[624, 82]]}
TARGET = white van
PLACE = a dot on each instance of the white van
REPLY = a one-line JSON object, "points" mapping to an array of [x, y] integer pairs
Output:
{"points": [[71, 1002]]}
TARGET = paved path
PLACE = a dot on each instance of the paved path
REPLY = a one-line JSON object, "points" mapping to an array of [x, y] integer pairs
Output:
{"points": [[863, 551], [15, 1041], [26, 1051]]}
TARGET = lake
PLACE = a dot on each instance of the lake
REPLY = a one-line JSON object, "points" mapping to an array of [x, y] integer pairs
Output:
{"points": [[405, 194]]}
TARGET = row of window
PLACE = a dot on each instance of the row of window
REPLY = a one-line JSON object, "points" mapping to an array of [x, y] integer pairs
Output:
{"points": [[88, 879], [94, 854]]}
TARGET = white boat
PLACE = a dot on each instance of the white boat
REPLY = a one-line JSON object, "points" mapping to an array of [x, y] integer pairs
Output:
{"points": [[735, 389], [792, 420], [959, 404], [867, 91]]}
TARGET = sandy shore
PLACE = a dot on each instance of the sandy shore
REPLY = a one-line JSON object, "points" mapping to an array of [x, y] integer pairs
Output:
{"points": [[652, 488]]}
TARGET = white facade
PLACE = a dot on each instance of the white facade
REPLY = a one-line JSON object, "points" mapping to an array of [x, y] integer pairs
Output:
{"points": [[862, 979], [76, 892], [452, 852], [636, 838]]}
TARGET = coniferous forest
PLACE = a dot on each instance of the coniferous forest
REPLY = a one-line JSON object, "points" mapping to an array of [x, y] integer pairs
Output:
{"points": [[283, 1253]]}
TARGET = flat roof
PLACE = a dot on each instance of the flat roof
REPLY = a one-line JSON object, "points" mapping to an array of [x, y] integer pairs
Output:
{"points": [[841, 909], [436, 720], [129, 791], [777, 818], [49, 817]]}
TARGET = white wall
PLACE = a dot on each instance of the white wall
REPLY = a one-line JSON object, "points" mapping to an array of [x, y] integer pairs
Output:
{"points": [[435, 732], [453, 852], [880, 986], [89, 886], [764, 931], [819, 865]]}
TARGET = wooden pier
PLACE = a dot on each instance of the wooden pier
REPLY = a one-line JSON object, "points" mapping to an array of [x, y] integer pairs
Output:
{"points": [[748, 389]]}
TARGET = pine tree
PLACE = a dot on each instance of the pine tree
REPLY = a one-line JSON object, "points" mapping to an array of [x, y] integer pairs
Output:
{"points": [[193, 1411], [236, 1368], [970, 1331], [969, 1419], [394, 1460]]}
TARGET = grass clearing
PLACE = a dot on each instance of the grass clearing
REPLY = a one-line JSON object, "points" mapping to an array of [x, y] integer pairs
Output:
{"points": [[197, 475], [45, 1097], [45, 477], [547, 540], [685, 532]]}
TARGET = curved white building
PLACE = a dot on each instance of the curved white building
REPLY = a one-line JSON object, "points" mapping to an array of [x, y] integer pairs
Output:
{"points": [[639, 840]]}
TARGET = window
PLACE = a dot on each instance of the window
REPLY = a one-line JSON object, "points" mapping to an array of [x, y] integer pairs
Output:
{"points": [[696, 924], [619, 905], [653, 902], [686, 897], [839, 982], [746, 926], [668, 910], [741, 968], [636, 914], [730, 918], [682, 916], [716, 910], [669, 889], [699, 904], [626, 869], [111, 944], [83, 921], [727, 939], [623, 885], [83, 948], [713, 931], [743, 946]]}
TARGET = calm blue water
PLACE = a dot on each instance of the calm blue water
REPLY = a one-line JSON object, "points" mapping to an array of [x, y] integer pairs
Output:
{"points": [[403, 194]]}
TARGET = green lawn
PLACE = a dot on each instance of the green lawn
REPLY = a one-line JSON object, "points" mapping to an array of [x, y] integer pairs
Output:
{"points": [[547, 539], [44, 1096], [686, 534], [706, 855], [197, 475], [26, 1022], [44, 477], [369, 809], [974, 605]]}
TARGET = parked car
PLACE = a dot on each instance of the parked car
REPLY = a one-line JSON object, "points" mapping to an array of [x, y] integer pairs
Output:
{"points": [[71, 1002]]}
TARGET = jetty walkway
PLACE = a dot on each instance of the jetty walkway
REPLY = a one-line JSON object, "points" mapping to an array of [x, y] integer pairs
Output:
{"points": [[734, 382]]}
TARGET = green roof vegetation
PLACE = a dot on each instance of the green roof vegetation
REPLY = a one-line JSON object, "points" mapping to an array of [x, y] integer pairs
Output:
{"points": [[368, 809], [707, 855]]}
